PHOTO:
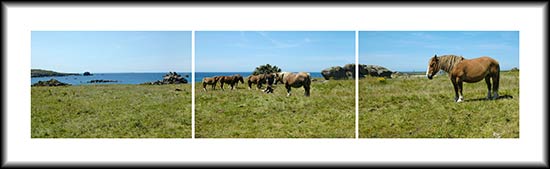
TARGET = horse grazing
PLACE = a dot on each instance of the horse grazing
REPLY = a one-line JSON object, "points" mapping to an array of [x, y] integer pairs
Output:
{"points": [[295, 80], [209, 81], [256, 79], [231, 80], [270, 79], [467, 70], [279, 76]]}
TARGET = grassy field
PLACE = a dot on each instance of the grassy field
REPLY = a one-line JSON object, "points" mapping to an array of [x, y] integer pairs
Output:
{"points": [[111, 111], [419, 108], [242, 113]]}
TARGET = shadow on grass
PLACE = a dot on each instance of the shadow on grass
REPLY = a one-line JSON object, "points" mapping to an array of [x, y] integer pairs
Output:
{"points": [[484, 99]]}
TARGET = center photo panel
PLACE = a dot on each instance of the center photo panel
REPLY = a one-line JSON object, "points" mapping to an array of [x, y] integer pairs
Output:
{"points": [[274, 84]]}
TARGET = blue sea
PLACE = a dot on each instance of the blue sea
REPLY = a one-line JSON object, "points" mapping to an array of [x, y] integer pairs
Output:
{"points": [[138, 78], [121, 78]]}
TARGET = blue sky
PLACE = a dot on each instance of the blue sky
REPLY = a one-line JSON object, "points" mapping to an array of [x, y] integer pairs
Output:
{"points": [[411, 50], [242, 51], [111, 51]]}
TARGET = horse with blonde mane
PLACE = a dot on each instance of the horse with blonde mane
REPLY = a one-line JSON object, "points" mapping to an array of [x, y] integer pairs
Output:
{"points": [[467, 70], [294, 80]]}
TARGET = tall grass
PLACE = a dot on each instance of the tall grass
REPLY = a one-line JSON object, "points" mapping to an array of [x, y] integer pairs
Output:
{"points": [[111, 111], [422, 108], [242, 113]]}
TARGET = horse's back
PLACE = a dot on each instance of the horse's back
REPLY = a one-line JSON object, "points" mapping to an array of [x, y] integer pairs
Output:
{"points": [[474, 70], [208, 80], [486, 59], [298, 79]]}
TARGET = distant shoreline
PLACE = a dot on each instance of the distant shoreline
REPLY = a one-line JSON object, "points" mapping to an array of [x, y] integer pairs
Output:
{"points": [[49, 73]]}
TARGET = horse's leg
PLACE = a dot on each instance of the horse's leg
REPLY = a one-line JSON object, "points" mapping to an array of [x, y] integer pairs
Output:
{"points": [[221, 85], [496, 79], [232, 85], [306, 88], [204, 86], [307, 85], [460, 96], [488, 81], [287, 90], [453, 80], [249, 85]]}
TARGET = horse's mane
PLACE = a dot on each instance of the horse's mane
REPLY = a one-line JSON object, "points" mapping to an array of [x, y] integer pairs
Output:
{"points": [[447, 62]]}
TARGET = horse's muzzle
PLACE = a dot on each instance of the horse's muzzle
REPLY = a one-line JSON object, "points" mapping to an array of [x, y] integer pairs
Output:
{"points": [[430, 77]]}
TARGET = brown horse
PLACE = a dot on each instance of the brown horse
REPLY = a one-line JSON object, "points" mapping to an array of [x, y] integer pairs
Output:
{"points": [[209, 81], [256, 79], [279, 76], [231, 80], [295, 80], [270, 79], [467, 70]]}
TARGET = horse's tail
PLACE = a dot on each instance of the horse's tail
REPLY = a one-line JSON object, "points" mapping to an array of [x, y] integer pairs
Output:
{"points": [[308, 80], [307, 84], [496, 78], [249, 82]]}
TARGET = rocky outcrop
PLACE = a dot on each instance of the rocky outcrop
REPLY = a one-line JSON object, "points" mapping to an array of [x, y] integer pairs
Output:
{"points": [[335, 72], [377, 71], [348, 72], [169, 78], [86, 74], [51, 82]]}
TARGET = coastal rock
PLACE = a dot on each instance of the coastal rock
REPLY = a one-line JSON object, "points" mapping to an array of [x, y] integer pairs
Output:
{"points": [[400, 75], [335, 72], [378, 71], [169, 78], [350, 70], [51, 82], [346, 72], [86, 74]]}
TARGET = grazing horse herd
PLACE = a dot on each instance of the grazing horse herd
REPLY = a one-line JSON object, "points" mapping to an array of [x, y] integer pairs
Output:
{"points": [[460, 70], [289, 79]]}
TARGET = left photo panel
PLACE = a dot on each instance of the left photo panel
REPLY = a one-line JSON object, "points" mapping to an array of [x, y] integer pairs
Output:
{"points": [[111, 84]]}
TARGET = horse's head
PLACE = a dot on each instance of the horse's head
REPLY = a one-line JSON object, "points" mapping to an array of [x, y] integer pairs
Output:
{"points": [[239, 78], [278, 77], [270, 78], [433, 67]]}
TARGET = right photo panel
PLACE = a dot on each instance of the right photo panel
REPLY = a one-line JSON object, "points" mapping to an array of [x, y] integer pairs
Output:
{"points": [[439, 84]]}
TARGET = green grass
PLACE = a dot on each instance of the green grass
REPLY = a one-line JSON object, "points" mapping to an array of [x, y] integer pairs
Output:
{"points": [[111, 111], [242, 113], [389, 108], [422, 108]]}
